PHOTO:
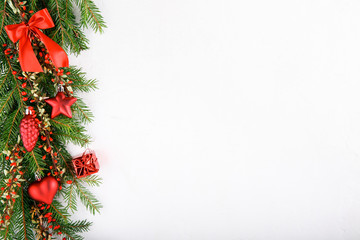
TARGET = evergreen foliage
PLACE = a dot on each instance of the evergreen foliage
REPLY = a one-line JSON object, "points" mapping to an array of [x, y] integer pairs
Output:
{"points": [[20, 216]]}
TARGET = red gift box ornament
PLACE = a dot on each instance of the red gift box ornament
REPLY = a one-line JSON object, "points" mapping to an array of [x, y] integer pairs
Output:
{"points": [[22, 32], [86, 165]]}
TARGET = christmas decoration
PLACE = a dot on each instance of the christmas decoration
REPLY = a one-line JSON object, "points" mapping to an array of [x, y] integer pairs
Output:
{"points": [[44, 190], [29, 131], [33, 65], [61, 105], [23, 32], [86, 165]]}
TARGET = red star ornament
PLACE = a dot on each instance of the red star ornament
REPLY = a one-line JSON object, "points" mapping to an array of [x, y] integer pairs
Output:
{"points": [[61, 105]]}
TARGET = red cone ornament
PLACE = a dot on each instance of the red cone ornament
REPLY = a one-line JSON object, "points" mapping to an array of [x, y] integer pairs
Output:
{"points": [[44, 190], [29, 131], [61, 105]]}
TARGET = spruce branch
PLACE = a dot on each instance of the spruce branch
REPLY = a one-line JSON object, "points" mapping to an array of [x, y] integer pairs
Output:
{"points": [[90, 15], [22, 217]]}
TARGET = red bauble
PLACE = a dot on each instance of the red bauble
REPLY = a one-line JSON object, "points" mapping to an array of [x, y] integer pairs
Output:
{"points": [[29, 131], [61, 105], [86, 165], [44, 190]]}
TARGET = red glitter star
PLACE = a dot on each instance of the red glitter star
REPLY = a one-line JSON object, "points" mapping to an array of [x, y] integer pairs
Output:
{"points": [[61, 105]]}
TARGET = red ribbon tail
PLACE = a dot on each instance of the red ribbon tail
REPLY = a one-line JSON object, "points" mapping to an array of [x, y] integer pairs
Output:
{"points": [[27, 58], [57, 55]]}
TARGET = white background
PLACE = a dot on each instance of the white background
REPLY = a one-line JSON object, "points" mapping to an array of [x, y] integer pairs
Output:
{"points": [[226, 119]]}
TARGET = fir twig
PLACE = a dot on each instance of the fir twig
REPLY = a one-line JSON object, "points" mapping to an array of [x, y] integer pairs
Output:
{"points": [[22, 217]]}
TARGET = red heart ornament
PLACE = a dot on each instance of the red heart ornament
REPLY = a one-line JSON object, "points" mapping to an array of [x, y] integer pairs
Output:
{"points": [[44, 190]]}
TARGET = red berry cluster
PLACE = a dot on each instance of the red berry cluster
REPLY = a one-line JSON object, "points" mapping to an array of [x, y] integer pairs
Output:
{"points": [[13, 180]]}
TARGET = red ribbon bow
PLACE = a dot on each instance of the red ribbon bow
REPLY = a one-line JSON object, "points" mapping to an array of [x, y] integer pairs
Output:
{"points": [[21, 32]]}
